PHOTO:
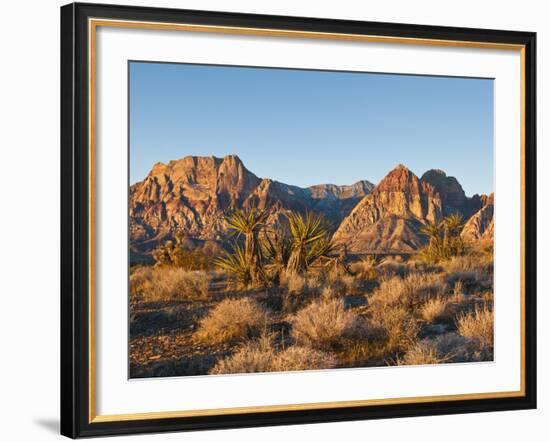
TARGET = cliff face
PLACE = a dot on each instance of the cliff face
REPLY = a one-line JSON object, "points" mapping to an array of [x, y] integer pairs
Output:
{"points": [[192, 196], [452, 195], [481, 225]]}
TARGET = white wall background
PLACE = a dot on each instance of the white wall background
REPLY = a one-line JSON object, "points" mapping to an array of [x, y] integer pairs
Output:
{"points": [[29, 219]]}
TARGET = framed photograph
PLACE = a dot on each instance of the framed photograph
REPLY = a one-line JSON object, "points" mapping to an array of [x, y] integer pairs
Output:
{"points": [[273, 220]]}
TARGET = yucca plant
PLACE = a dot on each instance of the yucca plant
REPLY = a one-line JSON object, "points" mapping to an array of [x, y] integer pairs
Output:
{"points": [[444, 239], [436, 250], [310, 241], [248, 224], [454, 224], [276, 248], [235, 262], [455, 243], [433, 232]]}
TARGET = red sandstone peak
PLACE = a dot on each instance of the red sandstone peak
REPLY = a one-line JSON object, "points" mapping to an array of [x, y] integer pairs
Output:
{"points": [[399, 179]]}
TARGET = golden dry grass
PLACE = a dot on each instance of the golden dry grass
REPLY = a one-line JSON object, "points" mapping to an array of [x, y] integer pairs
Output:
{"points": [[390, 322], [323, 323], [421, 354], [434, 308], [153, 284], [408, 291], [400, 327], [231, 319], [302, 358], [299, 284], [261, 356], [477, 324]]}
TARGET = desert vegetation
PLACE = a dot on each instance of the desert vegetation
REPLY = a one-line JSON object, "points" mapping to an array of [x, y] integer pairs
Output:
{"points": [[283, 296]]}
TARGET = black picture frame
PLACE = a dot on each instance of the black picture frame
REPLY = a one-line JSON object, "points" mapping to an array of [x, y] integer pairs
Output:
{"points": [[75, 220]]}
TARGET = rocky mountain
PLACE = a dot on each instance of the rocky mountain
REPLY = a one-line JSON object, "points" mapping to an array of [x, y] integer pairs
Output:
{"points": [[391, 217], [192, 196], [481, 225], [452, 195]]}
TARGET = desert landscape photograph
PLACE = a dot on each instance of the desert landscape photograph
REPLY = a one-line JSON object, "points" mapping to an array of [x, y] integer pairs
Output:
{"points": [[288, 219]]}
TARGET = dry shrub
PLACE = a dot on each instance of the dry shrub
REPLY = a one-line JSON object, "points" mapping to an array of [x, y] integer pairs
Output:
{"points": [[294, 283], [390, 268], [334, 274], [231, 319], [342, 285], [422, 353], [488, 297], [324, 323], [392, 303], [149, 284], [358, 353], [434, 308], [366, 269], [302, 358], [140, 280], [468, 263], [400, 327], [462, 349], [301, 284], [478, 325], [260, 356], [300, 290], [475, 272], [351, 284], [446, 348], [472, 281], [458, 292], [328, 292], [253, 357], [409, 291]]}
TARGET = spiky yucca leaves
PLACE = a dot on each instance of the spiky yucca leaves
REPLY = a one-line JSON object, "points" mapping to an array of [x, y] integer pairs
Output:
{"points": [[310, 241], [444, 238], [276, 247], [455, 243], [248, 224], [235, 262], [454, 224], [433, 232]]}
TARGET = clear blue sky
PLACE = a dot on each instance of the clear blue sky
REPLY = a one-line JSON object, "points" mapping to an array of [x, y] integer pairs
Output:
{"points": [[309, 127]]}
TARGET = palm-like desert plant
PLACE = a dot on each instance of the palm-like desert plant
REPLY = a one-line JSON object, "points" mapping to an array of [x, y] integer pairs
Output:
{"points": [[444, 239], [433, 232], [310, 241], [248, 224], [236, 263], [454, 224], [276, 247], [455, 243]]}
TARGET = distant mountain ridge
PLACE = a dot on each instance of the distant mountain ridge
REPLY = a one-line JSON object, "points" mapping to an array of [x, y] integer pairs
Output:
{"points": [[191, 196]]}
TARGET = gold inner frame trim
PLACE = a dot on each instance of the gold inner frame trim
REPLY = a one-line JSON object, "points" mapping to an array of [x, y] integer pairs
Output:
{"points": [[93, 24]]}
